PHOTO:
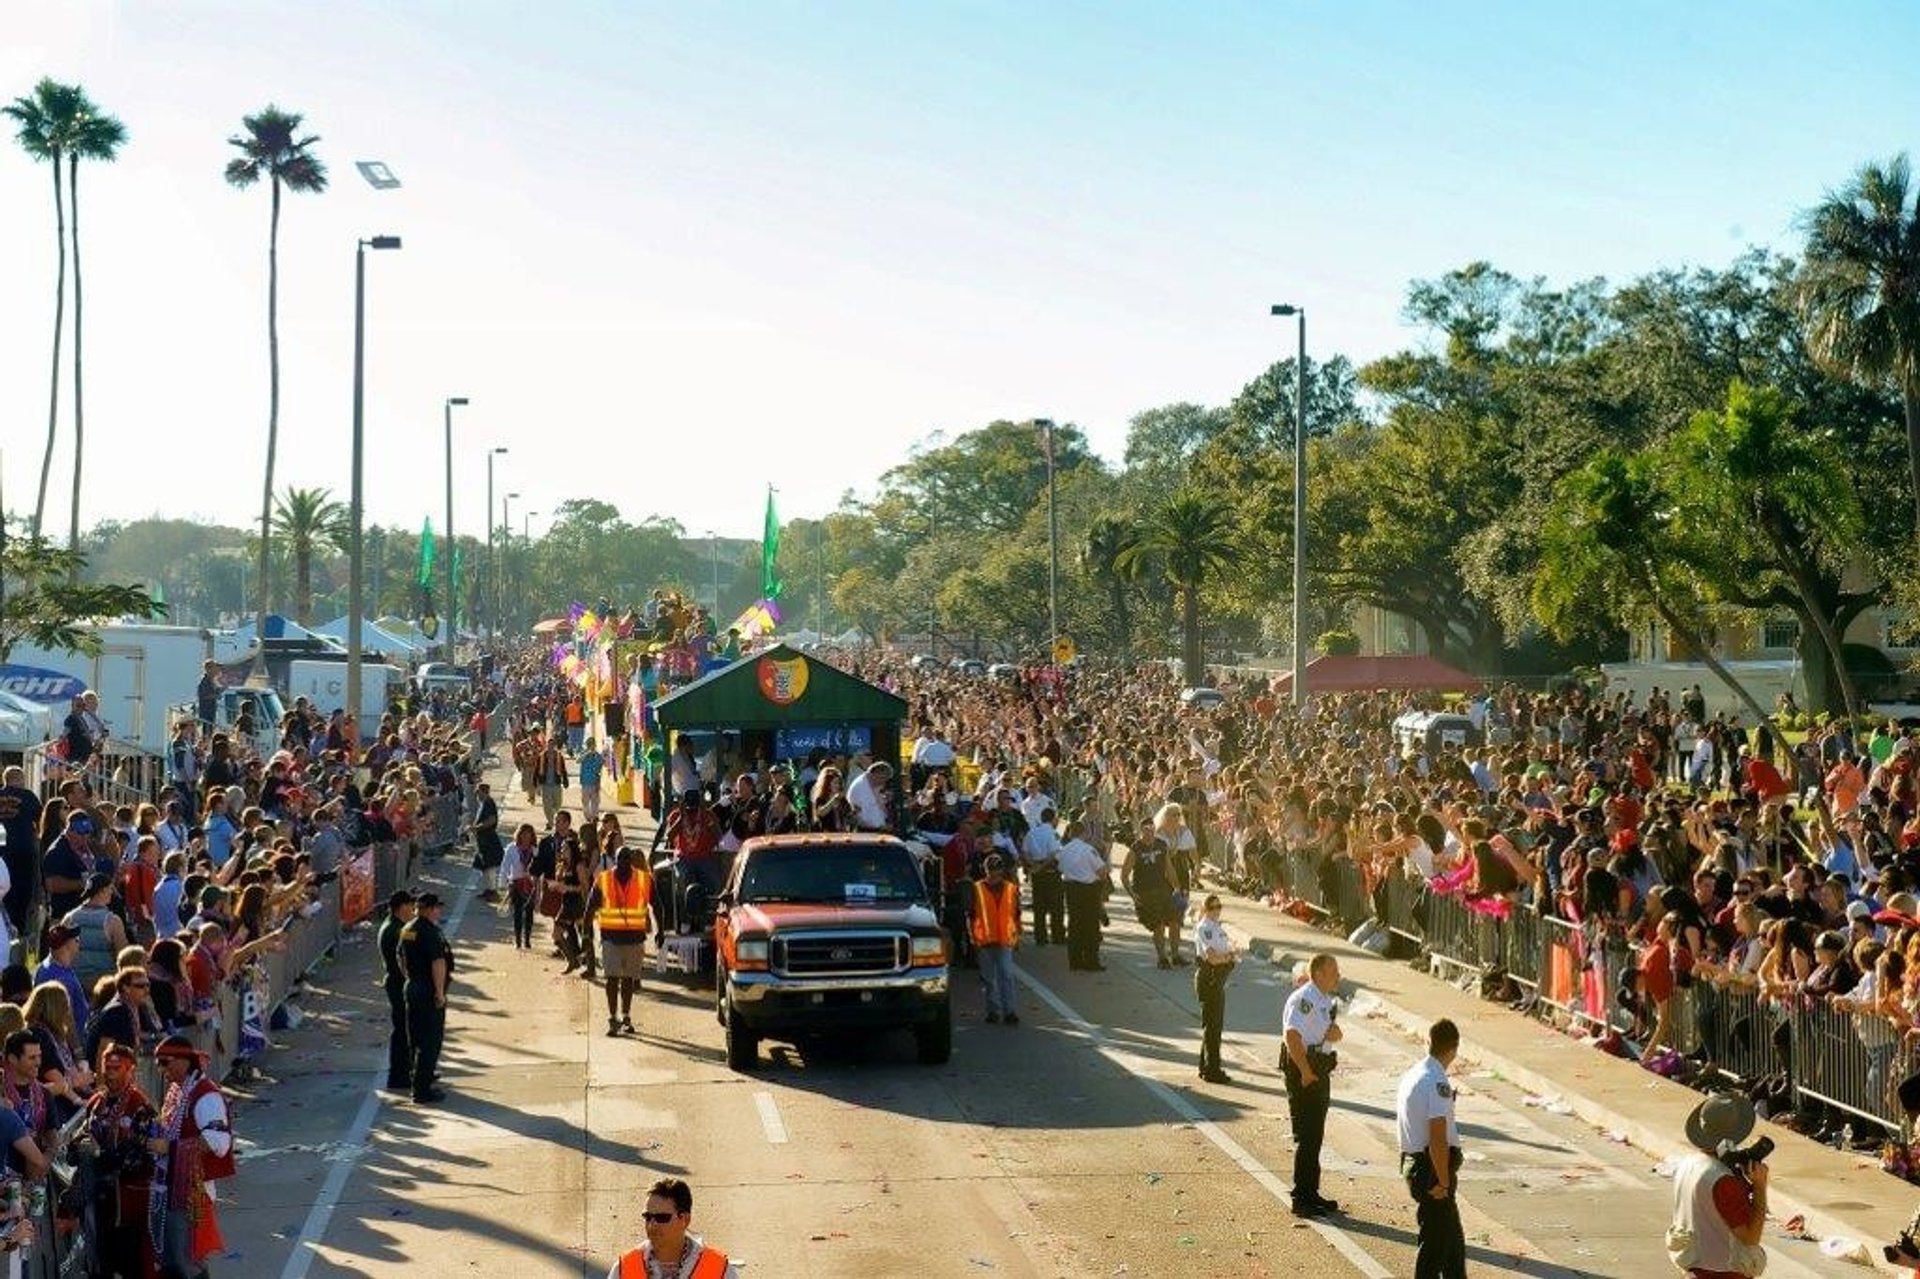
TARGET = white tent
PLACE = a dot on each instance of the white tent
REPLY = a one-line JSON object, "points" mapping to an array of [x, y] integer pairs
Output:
{"points": [[800, 638], [373, 636], [23, 724]]}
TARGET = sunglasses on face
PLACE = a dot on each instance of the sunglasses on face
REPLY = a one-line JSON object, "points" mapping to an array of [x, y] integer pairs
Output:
{"points": [[659, 1218]]}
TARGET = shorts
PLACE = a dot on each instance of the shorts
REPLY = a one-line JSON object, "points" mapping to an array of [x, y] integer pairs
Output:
{"points": [[626, 960]]}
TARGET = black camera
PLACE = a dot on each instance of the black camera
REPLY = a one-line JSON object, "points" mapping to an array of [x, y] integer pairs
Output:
{"points": [[1746, 1156]]}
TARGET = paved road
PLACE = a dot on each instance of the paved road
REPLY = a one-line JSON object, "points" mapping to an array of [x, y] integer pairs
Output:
{"points": [[1079, 1143]]}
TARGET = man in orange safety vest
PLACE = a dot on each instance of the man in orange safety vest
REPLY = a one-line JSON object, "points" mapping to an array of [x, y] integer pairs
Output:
{"points": [[670, 1252]]}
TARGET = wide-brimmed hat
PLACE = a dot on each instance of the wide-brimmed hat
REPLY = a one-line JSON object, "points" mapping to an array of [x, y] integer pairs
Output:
{"points": [[1721, 1121]]}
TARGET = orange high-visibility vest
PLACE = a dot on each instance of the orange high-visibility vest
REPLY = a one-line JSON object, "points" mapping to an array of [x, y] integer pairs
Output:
{"points": [[710, 1264], [996, 916], [624, 910]]}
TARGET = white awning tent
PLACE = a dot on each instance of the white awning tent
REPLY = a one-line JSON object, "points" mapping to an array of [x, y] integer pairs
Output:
{"points": [[800, 638], [402, 629], [23, 724], [373, 636]]}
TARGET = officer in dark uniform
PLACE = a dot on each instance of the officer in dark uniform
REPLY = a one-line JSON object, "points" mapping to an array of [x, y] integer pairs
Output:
{"points": [[1430, 1156], [427, 960], [394, 980]]}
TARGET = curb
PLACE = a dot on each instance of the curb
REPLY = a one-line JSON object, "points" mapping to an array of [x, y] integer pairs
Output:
{"points": [[1643, 1137]]}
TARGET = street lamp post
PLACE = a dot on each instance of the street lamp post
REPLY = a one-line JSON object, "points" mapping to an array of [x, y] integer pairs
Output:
{"points": [[713, 571], [356, 557], [452, 605], [1299, 507], [1053, 545], [486, 592], [506, 538]]}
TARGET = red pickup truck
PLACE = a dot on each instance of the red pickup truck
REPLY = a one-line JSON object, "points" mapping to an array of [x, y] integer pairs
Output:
{"points": [[821, 934]]}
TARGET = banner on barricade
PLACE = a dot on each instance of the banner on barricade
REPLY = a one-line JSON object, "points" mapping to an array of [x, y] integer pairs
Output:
{"points": [[356, 888]]}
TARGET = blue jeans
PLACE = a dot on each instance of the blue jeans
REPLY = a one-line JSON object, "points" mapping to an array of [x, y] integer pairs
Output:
{"points": [[996, 974]]}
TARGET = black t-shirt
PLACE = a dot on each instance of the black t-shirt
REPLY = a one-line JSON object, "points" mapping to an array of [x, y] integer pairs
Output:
{"points": [[61, 861]]}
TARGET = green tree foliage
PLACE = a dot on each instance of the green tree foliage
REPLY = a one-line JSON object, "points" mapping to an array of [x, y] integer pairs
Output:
{"points": [[1859, 290], [1193, 538], [271, 146], [310, 520], [48, 604]]}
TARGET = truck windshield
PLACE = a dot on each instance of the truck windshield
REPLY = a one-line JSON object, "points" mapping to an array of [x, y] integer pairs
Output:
{"points": [[849, 875]]}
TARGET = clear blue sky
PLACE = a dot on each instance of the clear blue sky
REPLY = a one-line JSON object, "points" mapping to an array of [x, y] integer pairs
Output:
{"points": [[675, 252]]}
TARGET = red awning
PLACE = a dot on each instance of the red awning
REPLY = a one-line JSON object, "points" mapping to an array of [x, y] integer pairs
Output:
{"points": [[1327, 674]]}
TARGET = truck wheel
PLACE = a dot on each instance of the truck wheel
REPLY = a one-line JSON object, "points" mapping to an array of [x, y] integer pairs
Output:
{"points": [[934, 1038], [743, 1046]]}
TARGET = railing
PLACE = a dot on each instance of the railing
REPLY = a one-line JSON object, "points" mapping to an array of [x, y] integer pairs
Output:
{"points": [[118, 774], [63, 1248]]}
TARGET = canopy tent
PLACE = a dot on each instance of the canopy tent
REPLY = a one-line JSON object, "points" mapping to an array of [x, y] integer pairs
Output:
{"points": [[23, 724], [553, 628], [1329, 674], [278, 628], [373, 636], [406, 632], [800, 638]]}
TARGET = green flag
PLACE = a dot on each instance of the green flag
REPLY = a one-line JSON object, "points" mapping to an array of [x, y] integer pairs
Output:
{"points": [[426, 553], [770, 552], [459, 584]]}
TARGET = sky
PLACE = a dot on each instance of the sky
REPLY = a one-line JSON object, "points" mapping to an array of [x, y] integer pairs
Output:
{"points": [[675, 253]]}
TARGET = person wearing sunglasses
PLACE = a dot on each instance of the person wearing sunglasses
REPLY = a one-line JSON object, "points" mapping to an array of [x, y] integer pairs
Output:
{"points": [[670, 1252], [1214, 956]]}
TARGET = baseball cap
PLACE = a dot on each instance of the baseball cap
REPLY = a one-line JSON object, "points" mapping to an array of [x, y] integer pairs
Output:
{"points": [[60, 934], [1859, 910], [97, 881], [81, 824], [401, 897], [427, 901]]}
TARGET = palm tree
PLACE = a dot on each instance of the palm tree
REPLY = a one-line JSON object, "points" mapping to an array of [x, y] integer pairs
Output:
{"points": [[307, 518], [271, 148], [1195, 538], [45, 121], [96, 136], [1108, 538], [1859, 289]]}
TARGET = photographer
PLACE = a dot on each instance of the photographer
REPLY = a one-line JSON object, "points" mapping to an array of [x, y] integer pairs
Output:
{"points": [[1720, 1193]]}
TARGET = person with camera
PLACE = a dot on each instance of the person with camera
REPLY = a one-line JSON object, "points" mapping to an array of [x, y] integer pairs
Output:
{"points": [[1307, 1059], [1720, 1193], [1430, 1156], [1214, 957]]}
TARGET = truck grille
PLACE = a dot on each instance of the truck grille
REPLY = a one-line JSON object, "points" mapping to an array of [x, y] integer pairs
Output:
{"points": [[839, 954]]}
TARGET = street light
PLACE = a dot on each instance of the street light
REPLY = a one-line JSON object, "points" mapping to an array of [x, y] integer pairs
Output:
{"points": [[1299, 507], [1053, 546], [493, 452], [506, 537], [713, 570], [452, 605], [356, 558]]}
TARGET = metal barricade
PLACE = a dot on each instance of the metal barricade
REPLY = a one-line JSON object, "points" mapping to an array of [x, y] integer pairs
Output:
{"points": [[1303, 880], [1523, 949], [1398, 895], [1351, 904], [1457, 937], [1734, 1027], [1833, 1063]]}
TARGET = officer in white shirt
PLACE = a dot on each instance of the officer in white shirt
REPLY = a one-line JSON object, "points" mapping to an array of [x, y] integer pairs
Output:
{"points": [[1307, 1057], [1042, 859], [1085, 874], [1430, 1156], [1214, 956]]}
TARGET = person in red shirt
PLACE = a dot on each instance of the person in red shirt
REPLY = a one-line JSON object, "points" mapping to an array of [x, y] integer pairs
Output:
{"points": [[1719, 1214], [1764, 780], [138, 877]]}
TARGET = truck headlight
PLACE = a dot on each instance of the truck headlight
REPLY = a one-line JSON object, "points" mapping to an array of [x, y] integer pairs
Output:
{"points": [[752, 952], [932, 948]]}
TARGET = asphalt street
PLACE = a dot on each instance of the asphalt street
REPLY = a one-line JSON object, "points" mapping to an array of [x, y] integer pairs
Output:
{"points": [[1080, 1142]]}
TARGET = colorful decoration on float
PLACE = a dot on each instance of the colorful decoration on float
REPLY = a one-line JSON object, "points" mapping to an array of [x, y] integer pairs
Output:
{"points": [[782, 683]]}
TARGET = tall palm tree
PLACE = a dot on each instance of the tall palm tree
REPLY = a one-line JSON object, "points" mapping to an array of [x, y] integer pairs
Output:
{"points": [[96, 136], [1195, 538], [45, 121], [1108, 538], [308, 518], [1859, 289], [271, 147]]}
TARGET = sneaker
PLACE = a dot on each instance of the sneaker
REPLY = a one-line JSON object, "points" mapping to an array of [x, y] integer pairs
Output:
{"points": [[626, 1024]]}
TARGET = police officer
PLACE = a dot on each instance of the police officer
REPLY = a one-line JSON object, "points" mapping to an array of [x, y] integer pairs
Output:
{"points": [[427, 960], [1430, 1156], [394, 979], [1307, 1058], [1213, 958]]}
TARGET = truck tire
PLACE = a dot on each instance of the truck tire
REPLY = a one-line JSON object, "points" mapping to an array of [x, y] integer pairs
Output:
{"points": [[934, 1038], [743, 1046]]}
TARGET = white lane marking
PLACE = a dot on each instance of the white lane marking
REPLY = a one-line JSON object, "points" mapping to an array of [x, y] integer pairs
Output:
{"points": [[306, 1246], [770, 1121], [1342, 1242]]}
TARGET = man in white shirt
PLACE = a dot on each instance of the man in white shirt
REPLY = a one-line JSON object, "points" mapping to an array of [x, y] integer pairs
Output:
{"points": [[1034, 801], [1213, 961], [1042, 860], [1430, 1155], [1085, 873], [932, 753], [868, 797], [1306, 1059]]}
